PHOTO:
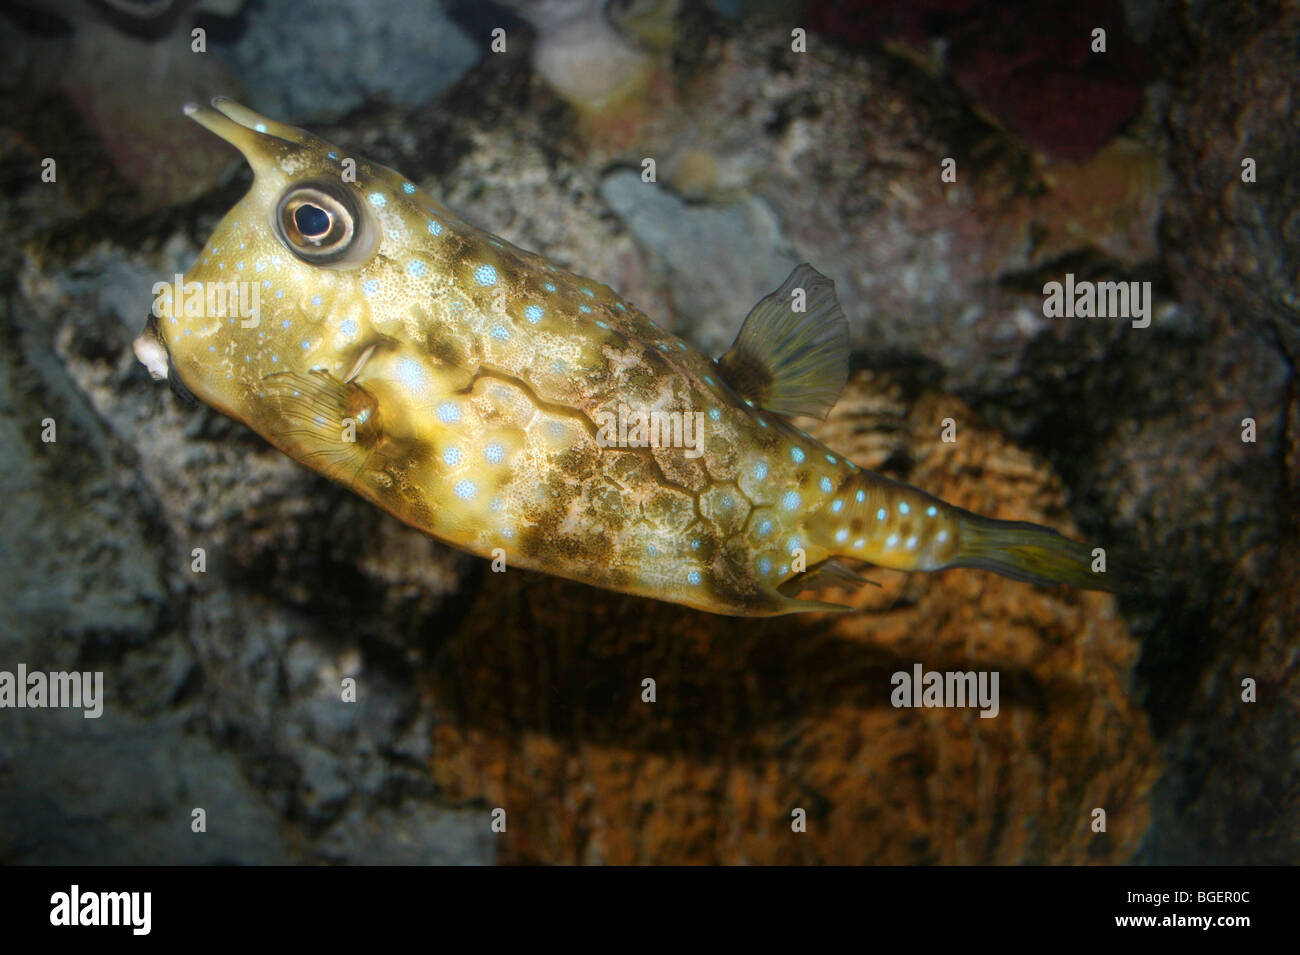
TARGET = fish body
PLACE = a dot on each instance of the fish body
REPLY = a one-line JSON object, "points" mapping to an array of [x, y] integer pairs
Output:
{"points": [[504, 405]]}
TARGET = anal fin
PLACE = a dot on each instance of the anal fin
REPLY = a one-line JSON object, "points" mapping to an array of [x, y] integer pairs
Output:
{"points": [[829, 573]]}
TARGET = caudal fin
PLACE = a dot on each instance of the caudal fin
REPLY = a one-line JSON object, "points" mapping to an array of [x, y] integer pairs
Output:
{"points": [[1039, 555]]}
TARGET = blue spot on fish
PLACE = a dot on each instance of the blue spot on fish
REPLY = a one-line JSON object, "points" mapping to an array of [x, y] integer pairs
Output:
{"points": [[378, 199], [448, 412], [485, 275], [410, 374], [797, 455], [465, 490], [534, 313]]}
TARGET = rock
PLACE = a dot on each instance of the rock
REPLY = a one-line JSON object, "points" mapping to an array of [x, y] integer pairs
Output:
{"points": [[1235, 245], [406, 50], [581, 54], [128, 86], [1232, 248], [678, 237]]}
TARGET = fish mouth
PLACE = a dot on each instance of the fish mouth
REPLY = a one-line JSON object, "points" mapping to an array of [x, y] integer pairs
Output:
{"points": [[151, 351]]}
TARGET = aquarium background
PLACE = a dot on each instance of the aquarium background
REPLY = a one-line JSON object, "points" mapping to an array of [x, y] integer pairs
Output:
{"points": [[780, 133]]}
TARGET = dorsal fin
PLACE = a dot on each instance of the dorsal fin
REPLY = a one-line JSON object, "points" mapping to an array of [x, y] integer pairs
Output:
{"points": [[787, 361]]}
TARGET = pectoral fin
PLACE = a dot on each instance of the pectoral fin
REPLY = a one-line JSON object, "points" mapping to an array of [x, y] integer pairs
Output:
{"points": [[331, 426]]}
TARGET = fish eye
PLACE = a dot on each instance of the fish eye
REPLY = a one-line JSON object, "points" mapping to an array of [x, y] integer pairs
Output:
{"points": [[312, 221], [317, 222]]}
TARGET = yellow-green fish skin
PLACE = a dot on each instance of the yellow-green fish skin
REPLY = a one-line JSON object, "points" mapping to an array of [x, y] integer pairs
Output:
{"points": [[475, 377]]}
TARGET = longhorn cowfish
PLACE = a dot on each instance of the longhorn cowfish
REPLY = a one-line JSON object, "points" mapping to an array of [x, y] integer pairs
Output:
{"points": [[508, 407]]}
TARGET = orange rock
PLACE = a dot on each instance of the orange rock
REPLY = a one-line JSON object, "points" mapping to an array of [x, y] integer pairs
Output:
{"points": [[540, 689]]}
